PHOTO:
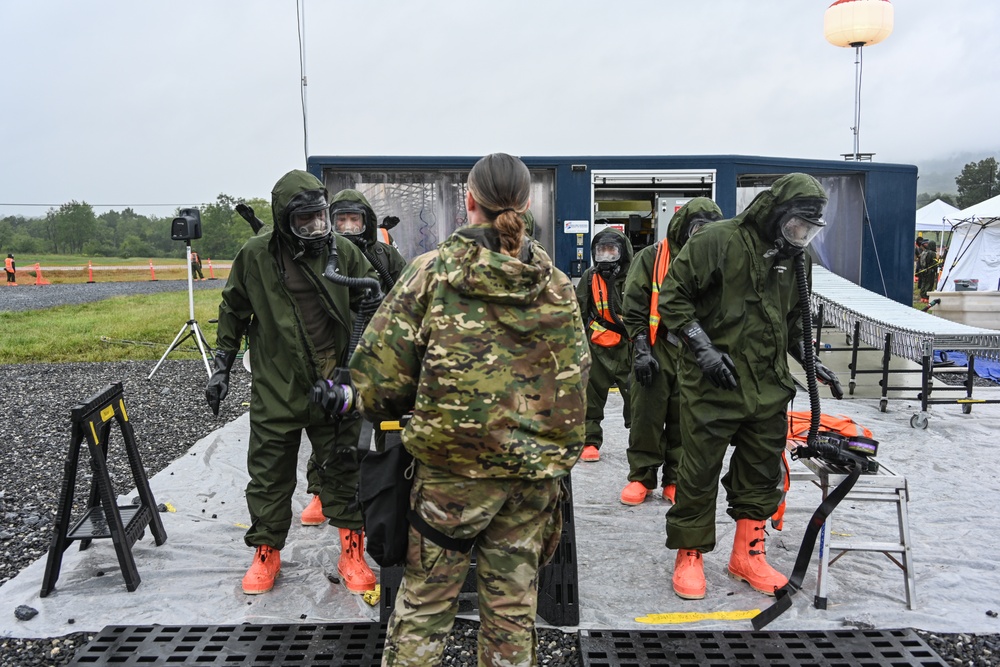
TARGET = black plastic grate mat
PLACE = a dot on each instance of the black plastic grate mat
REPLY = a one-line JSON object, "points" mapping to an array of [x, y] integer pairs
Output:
{"points": [[841, 648], [327, 645]]}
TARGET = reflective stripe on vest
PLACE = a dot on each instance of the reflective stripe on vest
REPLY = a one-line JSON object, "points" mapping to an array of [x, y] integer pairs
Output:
{"points": [[660, 267], [384, 234], [599, 335]]}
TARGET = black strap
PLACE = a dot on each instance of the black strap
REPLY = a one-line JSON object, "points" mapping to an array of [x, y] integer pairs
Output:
{"points": [[437, 537], [783, 596]]}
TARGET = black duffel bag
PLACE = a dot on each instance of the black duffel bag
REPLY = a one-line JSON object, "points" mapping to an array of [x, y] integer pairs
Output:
{"points": [[386, 479]]}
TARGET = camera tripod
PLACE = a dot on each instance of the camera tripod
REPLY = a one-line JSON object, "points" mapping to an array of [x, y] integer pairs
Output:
{"points": [[189, 329]]}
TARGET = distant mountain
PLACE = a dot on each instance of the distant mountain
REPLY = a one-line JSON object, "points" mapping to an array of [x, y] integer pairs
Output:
{"points": [[939, 175]]}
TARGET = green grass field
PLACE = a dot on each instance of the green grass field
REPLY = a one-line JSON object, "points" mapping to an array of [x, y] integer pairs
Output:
{"points": [[119, 329]]}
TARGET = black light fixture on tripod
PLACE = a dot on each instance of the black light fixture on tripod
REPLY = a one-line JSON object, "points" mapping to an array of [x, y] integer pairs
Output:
{"points": [[185, 227]]}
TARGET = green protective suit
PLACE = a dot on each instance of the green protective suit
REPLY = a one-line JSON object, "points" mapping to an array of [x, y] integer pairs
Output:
{"points": [[257, 301], [388, 264], [654, 440], [488, 353], [748, 305], [610, 365]]}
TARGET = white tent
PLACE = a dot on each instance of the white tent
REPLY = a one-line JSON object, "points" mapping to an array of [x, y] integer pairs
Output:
{"points": [[974, 253], [935, 217]]}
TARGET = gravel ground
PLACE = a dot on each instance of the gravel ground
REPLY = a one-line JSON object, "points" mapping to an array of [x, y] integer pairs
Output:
{"points": [[169, 417]]}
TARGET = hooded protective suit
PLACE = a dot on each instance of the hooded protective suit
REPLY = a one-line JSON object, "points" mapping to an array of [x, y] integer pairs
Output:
{"points": [[386, 260], [747, 303], [388, 264], [610, 348], [654, 439], [298, 324]]}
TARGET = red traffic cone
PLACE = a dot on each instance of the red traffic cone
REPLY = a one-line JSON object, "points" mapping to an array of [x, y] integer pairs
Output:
{"points": [[90, 272], [152, 273], [211, 273], [38, 276]]}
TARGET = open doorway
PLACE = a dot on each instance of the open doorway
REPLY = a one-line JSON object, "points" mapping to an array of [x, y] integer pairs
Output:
{"points": [[640, 203]]}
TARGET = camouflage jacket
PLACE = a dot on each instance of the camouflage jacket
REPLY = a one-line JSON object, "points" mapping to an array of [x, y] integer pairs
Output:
{"points": [[488, 353]]}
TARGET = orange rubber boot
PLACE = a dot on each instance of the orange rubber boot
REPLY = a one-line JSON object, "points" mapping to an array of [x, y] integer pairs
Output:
{"points": [[634, 493], [689, 575], [312, 515], [747, 563], [670, 492], [261, 575], [353, 569], [590, 454]]}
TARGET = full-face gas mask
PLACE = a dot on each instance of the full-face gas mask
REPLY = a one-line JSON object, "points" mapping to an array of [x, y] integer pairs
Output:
{"points": [[795, 225], [309, 220], [350, 219], [695, 223], [607, 258]]}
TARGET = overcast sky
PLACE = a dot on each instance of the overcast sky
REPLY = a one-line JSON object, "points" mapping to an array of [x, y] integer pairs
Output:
{"points": [[128, 102]]}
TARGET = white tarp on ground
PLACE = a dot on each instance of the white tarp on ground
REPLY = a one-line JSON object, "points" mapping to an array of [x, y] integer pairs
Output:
{"points": [[624, 568], [974, 253]]}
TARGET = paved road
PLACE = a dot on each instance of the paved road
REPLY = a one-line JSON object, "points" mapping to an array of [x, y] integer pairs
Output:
{"points": [[38, 297]]}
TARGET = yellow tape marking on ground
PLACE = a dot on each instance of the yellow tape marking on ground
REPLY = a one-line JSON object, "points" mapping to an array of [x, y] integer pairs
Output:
{"points": [[695, 616]]}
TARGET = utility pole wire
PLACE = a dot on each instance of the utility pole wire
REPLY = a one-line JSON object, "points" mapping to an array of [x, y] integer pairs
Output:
{"points": [[300, 21]]}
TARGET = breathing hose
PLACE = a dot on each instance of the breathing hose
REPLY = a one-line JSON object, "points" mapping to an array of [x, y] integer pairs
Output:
{"points": [[383, 273], [783, 595], [369, 304]]}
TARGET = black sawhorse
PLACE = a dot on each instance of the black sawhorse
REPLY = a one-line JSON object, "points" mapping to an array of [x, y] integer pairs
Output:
{"points": [[103, 517]]}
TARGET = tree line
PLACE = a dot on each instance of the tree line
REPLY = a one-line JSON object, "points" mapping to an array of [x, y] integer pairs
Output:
{"points": [[74, 229], [978, 182]]}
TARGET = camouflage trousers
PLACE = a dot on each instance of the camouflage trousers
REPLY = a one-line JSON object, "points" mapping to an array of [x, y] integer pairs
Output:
{"points": [[518, 524]]}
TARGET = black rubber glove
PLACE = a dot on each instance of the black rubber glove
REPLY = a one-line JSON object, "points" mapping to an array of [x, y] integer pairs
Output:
{"points": [[370, 303], [644, 364], [829, 378], [389, 221], [335, 399], [717, 366], [218, 384], [823, 374]]}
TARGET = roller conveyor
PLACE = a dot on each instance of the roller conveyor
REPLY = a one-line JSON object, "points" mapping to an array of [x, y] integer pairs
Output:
{"points": [[898, 330]]}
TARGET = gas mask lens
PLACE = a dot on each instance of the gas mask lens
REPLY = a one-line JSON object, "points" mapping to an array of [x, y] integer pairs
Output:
{"points": [[799, 231], [311, 225], [349, 223], [607, 252]]}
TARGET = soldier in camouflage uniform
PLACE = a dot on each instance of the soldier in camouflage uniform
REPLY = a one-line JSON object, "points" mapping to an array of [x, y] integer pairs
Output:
{"points": [[483, 343]]}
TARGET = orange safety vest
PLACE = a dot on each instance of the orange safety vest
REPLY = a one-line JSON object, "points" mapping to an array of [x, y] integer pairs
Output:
{"points": [[660, 267], [9, 265], [599, 334], [384, 236], [194, 258]]}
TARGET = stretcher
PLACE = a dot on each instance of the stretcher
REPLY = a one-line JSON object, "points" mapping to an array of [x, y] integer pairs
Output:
{"points": [[879, 323]]}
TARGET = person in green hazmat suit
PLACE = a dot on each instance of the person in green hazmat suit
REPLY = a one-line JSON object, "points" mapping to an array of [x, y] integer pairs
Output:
{"points": [[298, 323], [732, 297], [354, 219], [654, 439], [600, 295]]}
